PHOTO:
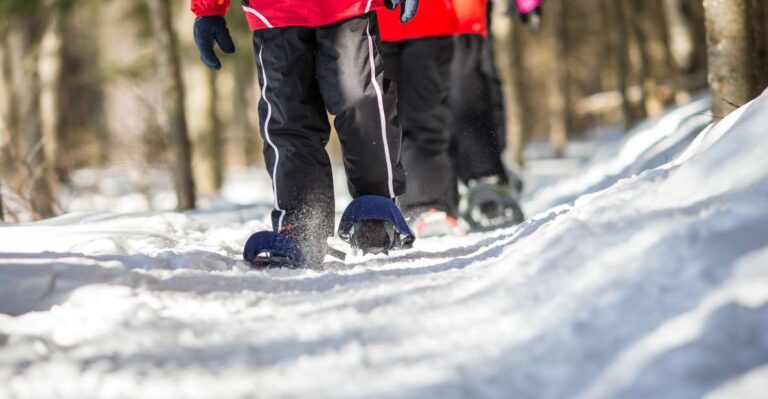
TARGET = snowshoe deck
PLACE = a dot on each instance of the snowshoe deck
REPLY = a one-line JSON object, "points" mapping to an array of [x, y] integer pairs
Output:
{"points": [[275, 262]]}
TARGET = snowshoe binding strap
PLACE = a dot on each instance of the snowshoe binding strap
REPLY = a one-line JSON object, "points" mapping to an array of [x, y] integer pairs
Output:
{"points": [[267, 249], [336, 253], [374, 224]]}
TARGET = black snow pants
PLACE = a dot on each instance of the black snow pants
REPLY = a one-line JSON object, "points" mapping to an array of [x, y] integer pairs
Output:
{"points": [[420, 69], [478, 131], [305, 72]]}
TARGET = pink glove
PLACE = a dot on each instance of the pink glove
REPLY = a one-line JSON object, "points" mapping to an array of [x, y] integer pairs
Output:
{"points": [[526, 6]]}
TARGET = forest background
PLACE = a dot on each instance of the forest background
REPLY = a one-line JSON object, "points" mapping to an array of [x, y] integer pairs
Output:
{"points": [[95, 83]]}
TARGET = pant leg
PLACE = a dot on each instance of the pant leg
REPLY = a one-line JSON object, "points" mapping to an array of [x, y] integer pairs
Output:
{"points": [[478, 127], [350, 72], [391, 53], [295, 129], [422, 87]]}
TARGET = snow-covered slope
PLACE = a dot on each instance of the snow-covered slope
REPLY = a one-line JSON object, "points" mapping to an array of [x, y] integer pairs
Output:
{"points": [[648, 145], [655, 286]]}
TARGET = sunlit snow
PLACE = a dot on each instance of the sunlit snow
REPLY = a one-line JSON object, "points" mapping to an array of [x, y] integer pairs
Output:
{"points": [[643, 275]]}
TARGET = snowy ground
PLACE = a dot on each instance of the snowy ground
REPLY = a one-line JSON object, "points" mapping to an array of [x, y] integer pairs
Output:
{"points": [[644, 275]]}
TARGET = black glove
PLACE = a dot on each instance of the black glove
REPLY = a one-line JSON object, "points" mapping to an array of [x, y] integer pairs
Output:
{"points": [[407, 8], [210, 29]]}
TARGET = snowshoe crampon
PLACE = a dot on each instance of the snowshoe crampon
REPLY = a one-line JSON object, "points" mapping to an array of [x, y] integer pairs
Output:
{"points": [[374, 225], [267, 249], [491, 207]]}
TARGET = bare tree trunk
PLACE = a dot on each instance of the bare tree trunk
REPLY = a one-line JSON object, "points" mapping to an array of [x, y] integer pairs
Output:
{"points": [[559, 125], [694, 12], [680, 43], [6, 109], [210, 142], [83, 134], [245, 129], [621, 50], [733, 54], [50, 89], [503, 47], [759, 40], [520, 139], [650, 104], [169, 67], [680, 35], [28, 174]]}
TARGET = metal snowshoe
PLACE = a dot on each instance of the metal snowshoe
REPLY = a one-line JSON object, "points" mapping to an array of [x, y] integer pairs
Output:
{"points": [[374, 225], [490, 207]]}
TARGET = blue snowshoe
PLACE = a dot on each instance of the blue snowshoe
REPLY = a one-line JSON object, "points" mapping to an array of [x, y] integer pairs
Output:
{"points": [[267, 250], [373, 225]]}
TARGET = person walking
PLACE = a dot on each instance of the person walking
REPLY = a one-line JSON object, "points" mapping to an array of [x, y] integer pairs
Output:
{"points": [[417, 59], [312, 57]]}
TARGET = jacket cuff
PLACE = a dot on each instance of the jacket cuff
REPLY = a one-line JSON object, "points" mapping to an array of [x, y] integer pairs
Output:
{"points": [[207, 8]]}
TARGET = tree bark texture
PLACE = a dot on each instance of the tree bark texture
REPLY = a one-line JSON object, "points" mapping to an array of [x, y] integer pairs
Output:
{"points": [[621, 50], [169, 67], [210, 144], [680, 35], [27, 172], [50, 90], [734, 54], [503, 48], [243, 106], [560, 100]]}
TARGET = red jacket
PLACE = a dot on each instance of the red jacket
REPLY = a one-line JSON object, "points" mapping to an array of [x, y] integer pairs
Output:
{"points": [[472, 16], [435, 18], [263, 14]]}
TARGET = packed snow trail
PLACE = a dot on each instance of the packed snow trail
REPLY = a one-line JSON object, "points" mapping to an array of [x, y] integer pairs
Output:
{"points": [[656, 286]]}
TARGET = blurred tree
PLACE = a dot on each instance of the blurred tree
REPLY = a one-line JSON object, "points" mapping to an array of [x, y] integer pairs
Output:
{"points": [[83, 137], [244, 123], [643, 66], [521, 102], [155, 140], [620, 39], [758, 10], [650, 33], [27, 171], [560, 98], [680, 34], [50, 69], [736, 44], [210, 146], [30, 76], [244, 120], [169, 66], [502, 34], [4, 113]]}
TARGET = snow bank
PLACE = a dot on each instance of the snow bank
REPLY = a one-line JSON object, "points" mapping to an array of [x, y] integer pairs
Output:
{"points": [[647, 146], [655, 286]]}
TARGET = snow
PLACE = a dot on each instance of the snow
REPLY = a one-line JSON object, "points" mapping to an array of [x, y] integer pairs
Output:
{"points": [[647, 146], [644, 275]]}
